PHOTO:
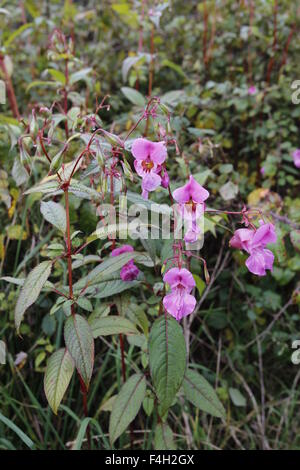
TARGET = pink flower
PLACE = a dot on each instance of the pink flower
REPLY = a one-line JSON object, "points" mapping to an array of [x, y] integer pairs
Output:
{"points": [[179, 302], [148, 159], [252, 90], [242, 239], [177, 277], [191, 199], [255, 242], [296, 157], [129, 271], [121, 250]]}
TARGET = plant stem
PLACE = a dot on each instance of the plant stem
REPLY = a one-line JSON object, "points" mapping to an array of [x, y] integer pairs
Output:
{"points": [[69, 249], [69, 257], [10, 89], [66, 97]]}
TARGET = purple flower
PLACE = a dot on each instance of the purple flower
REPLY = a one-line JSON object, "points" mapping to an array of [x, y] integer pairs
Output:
{"points": [[179, 303], [149, 157], [190, 198], [252, 90], [255, 242], [129, 271], [296, 157]]}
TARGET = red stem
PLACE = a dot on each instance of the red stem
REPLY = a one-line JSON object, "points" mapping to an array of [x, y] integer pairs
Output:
{"points": [[10, 89], [66, 97]]}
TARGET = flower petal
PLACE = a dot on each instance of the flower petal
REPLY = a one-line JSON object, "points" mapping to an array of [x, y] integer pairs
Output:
{"points": [[177, 276], [256, 263], [129, 272], [121, 250], [141, 148], [179, 303], [158, 152], [151, 181], [242, 239], [264, 234]]}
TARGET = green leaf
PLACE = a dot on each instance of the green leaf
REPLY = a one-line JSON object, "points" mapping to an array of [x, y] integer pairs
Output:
{"points": [[44, 187], [105, 269], [80, 344], [80, 75], [108, 288], [57, 75], [126, 405], [134, 96], [237, 398], [112, 325], [38, 83], [18, 431], [31, 289], [163, 438], [201, 394], [55, 214], [167, 359], [59, 371], [17, 33]]}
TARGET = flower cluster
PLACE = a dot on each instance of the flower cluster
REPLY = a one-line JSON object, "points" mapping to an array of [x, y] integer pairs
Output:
{"points": [[254, 242], [149, 158], [129, 272], [190, 198], [179, 303]]}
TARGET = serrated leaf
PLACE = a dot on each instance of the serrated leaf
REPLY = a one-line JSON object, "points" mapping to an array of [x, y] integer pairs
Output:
{"points": [[59, 371], [201, 394], [55, 214], [163, 438], [112, 325], [106, 269], [80, 344], [31, 289], [109, 288], [126, 405], [134, 96], [167, 359]]}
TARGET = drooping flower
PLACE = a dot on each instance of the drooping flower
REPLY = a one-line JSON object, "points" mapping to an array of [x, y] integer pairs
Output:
{"points": [[129, 272], [255, 242], [149, 157], [190, 198], [179, 303], [296, 158]]}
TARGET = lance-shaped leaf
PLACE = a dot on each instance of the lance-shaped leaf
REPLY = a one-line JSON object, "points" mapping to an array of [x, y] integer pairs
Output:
{"points": [[59, 371], [163, 438], [167, 359], [199, 392], [105, 270], [31, 289], [112, 325], [80, 344], [126, 405], [55, 214]]}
